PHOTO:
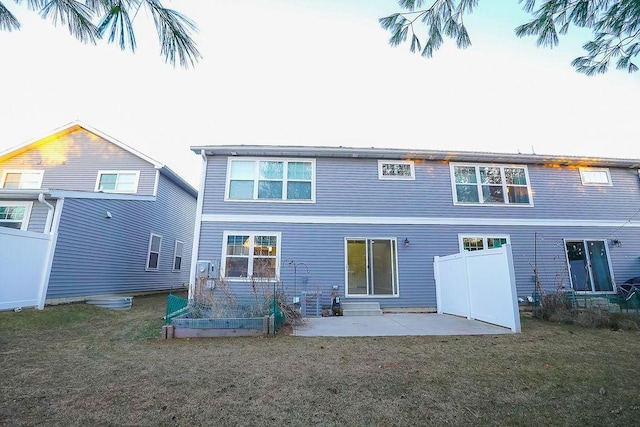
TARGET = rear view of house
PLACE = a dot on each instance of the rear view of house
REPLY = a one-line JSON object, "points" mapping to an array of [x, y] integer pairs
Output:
{"points": [[368, 223], [84, 214]]}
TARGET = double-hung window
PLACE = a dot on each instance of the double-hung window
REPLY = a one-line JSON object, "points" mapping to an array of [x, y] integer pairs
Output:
{"points": [[118, 181], [475, 242], [251, 255], [22, 179], [15, 214], [271, 179], [491, 184], [153, 255], [178, 249]]}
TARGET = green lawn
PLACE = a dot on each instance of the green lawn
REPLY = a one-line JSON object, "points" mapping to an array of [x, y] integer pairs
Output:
{"points": [[83, 365]]}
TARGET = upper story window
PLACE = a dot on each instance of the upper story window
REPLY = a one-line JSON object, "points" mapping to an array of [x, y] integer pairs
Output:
{"points": [[251, 255], [117, 181], [22, 179], [469, 242], [271, 179], [397, 169], [15, 214], [490, 184], [593, 176]]}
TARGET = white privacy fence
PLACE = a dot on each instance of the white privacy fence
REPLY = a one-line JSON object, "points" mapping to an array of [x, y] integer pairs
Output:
{"points": [[24, 268], [479, 285]]}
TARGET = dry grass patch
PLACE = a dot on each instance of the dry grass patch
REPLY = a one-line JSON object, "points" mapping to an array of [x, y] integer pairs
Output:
{"points": [[558, 307], [83, 365]]}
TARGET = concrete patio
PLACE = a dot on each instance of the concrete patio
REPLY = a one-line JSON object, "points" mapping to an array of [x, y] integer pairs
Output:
{"points": [[396, 324]]}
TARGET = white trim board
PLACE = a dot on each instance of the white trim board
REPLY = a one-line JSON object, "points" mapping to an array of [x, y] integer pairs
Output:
{"points": [[70, 194], [197, 225], [314, 219], [55, 225]]}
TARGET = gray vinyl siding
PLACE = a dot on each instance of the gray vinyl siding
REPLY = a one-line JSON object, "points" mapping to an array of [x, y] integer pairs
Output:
{"points": [[321, 249], [543, 248], [98, 255], [350, 187], [38, 217], [72, 162]]}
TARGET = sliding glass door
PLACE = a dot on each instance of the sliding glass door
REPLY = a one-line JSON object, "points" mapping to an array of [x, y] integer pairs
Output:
{"points": [[371, 267], [589, 266]]}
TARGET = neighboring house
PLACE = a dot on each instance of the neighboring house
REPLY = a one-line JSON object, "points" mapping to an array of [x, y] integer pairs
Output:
{"points": [[371, 221], [110, 219]]}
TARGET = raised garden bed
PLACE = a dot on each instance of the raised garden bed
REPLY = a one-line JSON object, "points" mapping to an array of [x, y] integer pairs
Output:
{"points": [[186, 327], [189, 319]]}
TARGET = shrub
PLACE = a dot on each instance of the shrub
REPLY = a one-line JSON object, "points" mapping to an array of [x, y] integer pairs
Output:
{"points": [[555, 305], [593, 318], [624, 322], [562, 315]]}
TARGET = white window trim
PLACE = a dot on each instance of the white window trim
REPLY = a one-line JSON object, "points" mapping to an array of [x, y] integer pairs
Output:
{"points": [[606, 246], [117, 172], [27, 213], [22, 171], [251, 234], [484, 237], [175, 253], [147, 268], [454, 193], [346, 268], [397, 162], [609, 183], [284, 180]]}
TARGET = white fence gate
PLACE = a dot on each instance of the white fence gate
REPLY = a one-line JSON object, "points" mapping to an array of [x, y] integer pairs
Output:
{"points": [[479, 285], [24, 268]]}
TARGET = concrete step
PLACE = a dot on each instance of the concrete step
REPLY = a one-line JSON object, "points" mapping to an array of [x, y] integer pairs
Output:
{"points": [[361, 309], [360, 305]]}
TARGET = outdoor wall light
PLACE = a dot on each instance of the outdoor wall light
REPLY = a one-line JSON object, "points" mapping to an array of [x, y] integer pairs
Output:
{"points": [[107, 215], [616, 243], [407, 243]]}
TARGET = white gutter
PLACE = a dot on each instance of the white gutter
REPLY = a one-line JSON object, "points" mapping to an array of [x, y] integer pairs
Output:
{"points": [[47, 226], [411, 154], [155, 184]]}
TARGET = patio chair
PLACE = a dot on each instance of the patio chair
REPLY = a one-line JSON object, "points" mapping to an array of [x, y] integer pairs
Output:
{"points": [[629, 293]]}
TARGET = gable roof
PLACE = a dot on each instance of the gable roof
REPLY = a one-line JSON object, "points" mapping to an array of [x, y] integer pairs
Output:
{"points": [[411, 154], [67, 129], [77, 125]]}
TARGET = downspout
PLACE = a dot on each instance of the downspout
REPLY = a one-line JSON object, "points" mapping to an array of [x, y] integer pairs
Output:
{"points": [[51, 228], [47, 226], [198, 225]]}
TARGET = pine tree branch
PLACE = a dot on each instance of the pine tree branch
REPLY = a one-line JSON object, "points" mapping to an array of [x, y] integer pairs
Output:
{"points": [[615, 25], [174, 33], [115, 20], [8, 22]]}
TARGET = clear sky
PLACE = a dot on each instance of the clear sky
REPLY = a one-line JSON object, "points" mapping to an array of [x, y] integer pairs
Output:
{"points": [[316, 72]]}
